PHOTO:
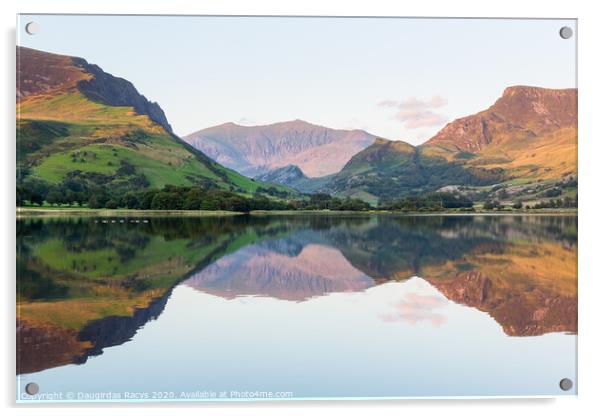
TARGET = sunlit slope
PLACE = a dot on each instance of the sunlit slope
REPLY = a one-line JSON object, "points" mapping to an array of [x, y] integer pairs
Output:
{"points": [[530, 133], [390, 169], [527, 136], [71, 116]]}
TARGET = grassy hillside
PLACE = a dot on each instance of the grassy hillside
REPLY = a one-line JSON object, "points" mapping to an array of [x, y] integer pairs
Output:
{"points": [[67, 132], [387, 170], [522, 149]]}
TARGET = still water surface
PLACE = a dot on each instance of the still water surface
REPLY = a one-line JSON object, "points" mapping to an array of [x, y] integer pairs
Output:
{"points": [[298, 307]]}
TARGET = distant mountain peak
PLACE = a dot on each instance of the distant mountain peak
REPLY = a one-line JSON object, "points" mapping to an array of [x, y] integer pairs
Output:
{"points": [[520, 113], [253, 150]]}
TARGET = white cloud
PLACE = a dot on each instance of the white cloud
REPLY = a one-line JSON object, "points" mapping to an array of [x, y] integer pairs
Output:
{"points": [[415, 119], [416, 113], [389, 103]]}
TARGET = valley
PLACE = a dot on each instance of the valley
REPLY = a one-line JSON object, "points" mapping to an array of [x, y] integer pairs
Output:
{"points": [[520, 151]]}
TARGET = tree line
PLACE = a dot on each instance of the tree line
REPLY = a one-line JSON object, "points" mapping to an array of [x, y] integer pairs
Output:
{"points": [[435, 201], [79, 190], [77, 193]]}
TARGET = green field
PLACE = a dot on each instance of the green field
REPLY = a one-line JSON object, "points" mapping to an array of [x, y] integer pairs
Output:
{"points": [[160, 162]]}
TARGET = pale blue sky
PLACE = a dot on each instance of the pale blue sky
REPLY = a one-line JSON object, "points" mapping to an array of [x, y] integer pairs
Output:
{"points": [[335, 72]]}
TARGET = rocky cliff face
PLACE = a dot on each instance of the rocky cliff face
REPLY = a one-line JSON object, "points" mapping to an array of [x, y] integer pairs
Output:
{"points": [[316, 150], [520, 114], [538, 109], [115, 91]]}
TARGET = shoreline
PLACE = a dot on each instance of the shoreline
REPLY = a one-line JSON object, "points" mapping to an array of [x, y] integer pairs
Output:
{"points": [[104, 212], [415, 213], [31, 212]]}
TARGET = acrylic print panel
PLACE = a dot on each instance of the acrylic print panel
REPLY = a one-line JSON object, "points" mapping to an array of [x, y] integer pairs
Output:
{"points": [[289, 208]]}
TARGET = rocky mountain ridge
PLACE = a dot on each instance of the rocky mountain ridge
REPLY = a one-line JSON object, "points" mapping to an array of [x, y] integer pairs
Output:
{"points": [[254, 150]]}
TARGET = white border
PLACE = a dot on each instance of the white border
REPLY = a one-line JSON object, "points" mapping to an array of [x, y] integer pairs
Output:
{"points": [[590, 152]]}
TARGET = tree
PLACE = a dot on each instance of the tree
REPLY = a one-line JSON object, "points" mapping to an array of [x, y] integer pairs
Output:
{"points": [[160, 201], [550, 193], [517, 205], [36, 190], [238, 203], [130, 200], [80, 198], [166, 200], [54, 197], [146, 198], [320, 200], [491, 204], [261, 202], [353, 204], [22, 195], [70, 197], [193, 199], [98, 200], [112, 204], [126, 168]]}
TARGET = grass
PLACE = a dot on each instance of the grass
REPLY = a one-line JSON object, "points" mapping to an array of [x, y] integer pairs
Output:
{"points": [[74, 108], [93, 137], [546, 157], [176, 169], [55, 167]]}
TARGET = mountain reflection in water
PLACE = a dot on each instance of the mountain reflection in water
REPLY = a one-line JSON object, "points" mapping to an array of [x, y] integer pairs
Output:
{"points": [[84, 285]]}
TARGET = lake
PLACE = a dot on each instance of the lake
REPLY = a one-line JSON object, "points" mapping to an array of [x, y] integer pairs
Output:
{"points": [[296, 307]]}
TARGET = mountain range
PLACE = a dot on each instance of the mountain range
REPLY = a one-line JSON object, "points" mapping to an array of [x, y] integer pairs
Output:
{"points": [[77, 123], [528, 136], [254, 150]]}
